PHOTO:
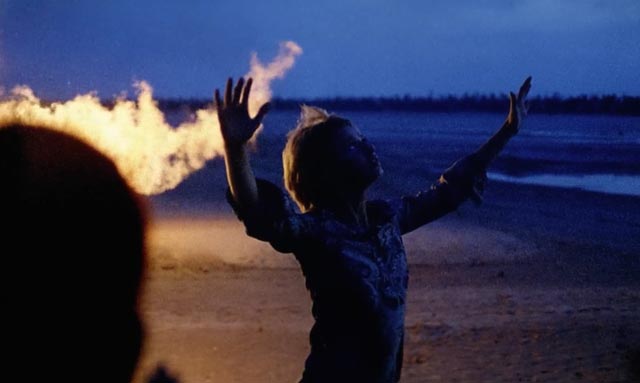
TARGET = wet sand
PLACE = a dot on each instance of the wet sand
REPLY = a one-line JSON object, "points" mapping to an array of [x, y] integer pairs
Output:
{"points": [[539, 284]]}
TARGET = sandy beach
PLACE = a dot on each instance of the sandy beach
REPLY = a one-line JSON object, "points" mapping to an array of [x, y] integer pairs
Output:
{"points": [[544, 288]]}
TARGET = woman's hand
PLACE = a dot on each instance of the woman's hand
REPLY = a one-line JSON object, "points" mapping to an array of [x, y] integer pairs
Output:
{"points": [[470, 172], [518, 107], [236, 125]]}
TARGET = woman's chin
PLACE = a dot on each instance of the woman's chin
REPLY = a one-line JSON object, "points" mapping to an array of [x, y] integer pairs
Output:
{"points": [[378, 171], [375, 175]]}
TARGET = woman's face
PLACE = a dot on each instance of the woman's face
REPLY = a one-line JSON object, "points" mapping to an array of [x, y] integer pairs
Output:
{"points": [[355, 158]]}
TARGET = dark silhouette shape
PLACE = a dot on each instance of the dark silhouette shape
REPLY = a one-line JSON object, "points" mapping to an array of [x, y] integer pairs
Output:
{"points": [[633, 357], [73, 260]]}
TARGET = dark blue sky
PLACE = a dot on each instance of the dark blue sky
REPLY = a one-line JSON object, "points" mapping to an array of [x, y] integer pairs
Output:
{"points": [[351, 48]]}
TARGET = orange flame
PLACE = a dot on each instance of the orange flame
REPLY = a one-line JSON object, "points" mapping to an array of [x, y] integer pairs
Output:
{"points": [[152, 155]]}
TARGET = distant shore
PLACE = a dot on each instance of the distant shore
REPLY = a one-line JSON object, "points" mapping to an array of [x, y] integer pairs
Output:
{"points": [[492, 103]]}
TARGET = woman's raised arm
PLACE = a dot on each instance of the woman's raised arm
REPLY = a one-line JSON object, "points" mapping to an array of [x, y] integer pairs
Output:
{"points": [[237, 128]]}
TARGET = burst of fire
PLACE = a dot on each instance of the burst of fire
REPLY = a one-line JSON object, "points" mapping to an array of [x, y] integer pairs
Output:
{"points": [[151, 154]]}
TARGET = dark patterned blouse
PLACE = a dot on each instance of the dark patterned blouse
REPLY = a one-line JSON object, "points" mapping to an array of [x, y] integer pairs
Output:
{"points": [[357, 277]]}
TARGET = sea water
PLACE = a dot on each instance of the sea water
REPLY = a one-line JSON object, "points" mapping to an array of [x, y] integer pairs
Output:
{"points": [[596, 153]]}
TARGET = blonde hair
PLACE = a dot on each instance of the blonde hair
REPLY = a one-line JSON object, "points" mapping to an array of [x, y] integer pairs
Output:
{"points": [[307, 154]]}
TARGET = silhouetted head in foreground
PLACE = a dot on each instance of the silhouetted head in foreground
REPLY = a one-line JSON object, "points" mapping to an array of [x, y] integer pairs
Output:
{"points": [[73, 259], [326, 160]]}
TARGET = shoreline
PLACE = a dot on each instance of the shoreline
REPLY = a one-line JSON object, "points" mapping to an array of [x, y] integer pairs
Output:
{"points": [[606, 183]]}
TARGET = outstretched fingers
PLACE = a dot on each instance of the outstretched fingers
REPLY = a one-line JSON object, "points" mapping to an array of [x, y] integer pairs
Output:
{"points": [[246, 92], [264, 109], [227, 92], [217, 99], [522, 95], [524, 89], [238, 91], [233, 96]]}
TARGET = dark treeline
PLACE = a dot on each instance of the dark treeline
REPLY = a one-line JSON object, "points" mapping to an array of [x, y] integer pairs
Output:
{"points": [[606, 104]]}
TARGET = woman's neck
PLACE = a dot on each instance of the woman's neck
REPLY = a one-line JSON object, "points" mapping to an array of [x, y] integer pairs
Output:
{"points": [[350, 209]]}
